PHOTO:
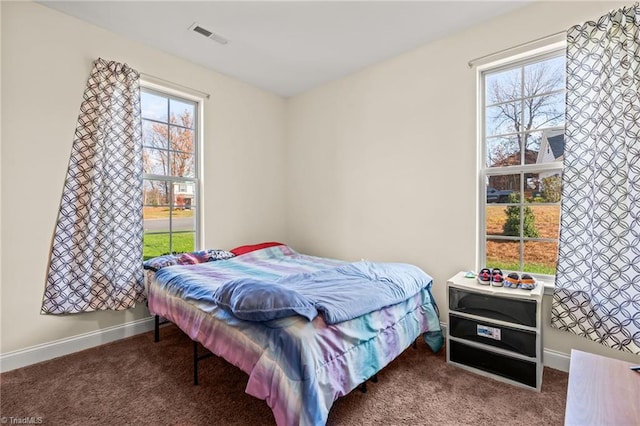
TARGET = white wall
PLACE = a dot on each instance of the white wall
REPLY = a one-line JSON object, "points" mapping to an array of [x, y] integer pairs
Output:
{"points": [[46, 60], [379, 165], [382, 164]]}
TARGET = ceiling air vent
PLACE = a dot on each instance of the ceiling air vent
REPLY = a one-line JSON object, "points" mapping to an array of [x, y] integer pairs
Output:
{"points": [[208, 34], [202, 31]]}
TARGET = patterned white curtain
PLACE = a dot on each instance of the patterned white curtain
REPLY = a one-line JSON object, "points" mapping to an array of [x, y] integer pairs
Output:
{"points": [[597, 292], [96, 257]]}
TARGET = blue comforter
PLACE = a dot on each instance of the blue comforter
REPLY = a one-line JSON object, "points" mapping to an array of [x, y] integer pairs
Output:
{"points": [[339, 294], [298, 366]]}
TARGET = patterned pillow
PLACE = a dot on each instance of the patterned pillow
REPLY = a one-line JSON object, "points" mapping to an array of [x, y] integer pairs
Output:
{"points": [[215, 254], [191, 258], [202, 256], [156, 263]]}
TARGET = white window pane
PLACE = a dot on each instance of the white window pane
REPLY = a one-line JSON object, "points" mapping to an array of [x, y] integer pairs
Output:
{"points": [[523, 126], [182, 164], [503, 189], [182, 139], [156, 244], [503, 254], [154, 134], [183, 242], [544, 111], [543, 187], [540, 257], [532, 143], [504, 118], [184, 198], [495, 218], [552, 146], [154, 161], [170, 208], [182, 113], [547, 220], [156, 193], [544, 76], [503, 151], [183, 219], [503, 86], [154, 106], [154, 224]]}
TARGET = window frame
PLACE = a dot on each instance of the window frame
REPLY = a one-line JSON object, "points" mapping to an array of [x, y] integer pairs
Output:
{"points": [[179, 95], [484, 172]]}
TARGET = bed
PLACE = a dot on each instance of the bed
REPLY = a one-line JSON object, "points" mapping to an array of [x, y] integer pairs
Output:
{"points": [[300, 363]]}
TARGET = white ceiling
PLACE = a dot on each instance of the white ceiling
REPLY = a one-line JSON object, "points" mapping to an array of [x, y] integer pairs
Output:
{"points": [[286, 47]]}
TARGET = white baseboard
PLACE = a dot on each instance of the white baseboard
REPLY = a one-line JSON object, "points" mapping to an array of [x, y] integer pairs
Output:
{"points": [[46, 351], [556, 360], [50, 350]]}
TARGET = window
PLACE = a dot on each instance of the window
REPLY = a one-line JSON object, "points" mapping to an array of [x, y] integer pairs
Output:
{"points": [[520, 174], [170, 161]]}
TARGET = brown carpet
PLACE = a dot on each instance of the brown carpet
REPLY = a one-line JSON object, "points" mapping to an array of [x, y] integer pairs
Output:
{"points": [[137, 381]]}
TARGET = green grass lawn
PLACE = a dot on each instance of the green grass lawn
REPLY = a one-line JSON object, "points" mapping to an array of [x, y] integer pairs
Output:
{"points": [[533, 268], [158, 244]]}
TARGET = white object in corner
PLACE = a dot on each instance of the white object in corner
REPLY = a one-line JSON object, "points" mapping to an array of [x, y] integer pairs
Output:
{"points": [[46, 351]]}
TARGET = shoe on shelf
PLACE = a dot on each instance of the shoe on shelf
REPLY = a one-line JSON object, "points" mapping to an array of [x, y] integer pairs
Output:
{"points": [[512, 280], [527, 282], [497, 280], [484, 277]]}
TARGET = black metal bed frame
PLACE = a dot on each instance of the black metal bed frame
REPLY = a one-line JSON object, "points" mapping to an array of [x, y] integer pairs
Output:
{"points": [[197, 358]]}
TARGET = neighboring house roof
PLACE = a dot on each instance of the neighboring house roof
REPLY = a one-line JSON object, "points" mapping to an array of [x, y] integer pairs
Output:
{"points": [[557, 145], [551, 147]]}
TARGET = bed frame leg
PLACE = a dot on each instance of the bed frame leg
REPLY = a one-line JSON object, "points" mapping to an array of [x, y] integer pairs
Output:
{"points": [[197, 358], [363, 385], [195, 363], [156, 332]]}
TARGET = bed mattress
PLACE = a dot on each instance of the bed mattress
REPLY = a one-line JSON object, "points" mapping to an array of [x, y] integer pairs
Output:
{"points": [[299, 367]]}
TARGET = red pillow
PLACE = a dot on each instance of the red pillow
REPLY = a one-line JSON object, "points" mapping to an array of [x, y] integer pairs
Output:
{"points": [[246, 249]]}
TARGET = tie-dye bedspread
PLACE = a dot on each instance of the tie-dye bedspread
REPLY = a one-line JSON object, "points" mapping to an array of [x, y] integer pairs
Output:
{"points": [[299, 367]]}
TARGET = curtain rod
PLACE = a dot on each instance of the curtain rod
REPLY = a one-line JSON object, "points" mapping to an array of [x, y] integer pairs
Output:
{"points": [[174, 85], [508, 49]]}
